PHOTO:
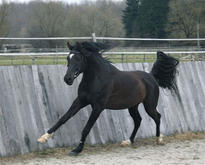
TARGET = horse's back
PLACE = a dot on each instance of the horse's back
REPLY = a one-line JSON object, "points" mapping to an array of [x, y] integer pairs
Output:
{"points": [[139, 77]]}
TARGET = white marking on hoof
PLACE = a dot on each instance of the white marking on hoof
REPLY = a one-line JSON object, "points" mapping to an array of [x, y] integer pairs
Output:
{"points": [[160, 140], [126, 143], [71, 55], [44, 138]]}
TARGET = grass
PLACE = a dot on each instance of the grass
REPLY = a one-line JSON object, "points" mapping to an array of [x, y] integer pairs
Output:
{"points": [[53, 60], [32, 60]]}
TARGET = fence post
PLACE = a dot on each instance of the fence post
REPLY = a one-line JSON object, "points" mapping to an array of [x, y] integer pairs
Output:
{"points": [[33, 60], [122, 58], [57, 59], [12, 60], [198, 36], [94, 37], [126, 58], [144, 57], [23, 60], [53, 59]]}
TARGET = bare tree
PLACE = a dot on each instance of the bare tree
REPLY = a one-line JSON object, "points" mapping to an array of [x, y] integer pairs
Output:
{"points": [[46, 20], [183, 17], [84, 19], [4, 29], [52, 19], [199, 10]]}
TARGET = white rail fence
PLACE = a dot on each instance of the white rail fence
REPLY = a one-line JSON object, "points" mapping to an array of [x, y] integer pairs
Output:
{"points": [[190, 53], [94, 38], [105, 53]]}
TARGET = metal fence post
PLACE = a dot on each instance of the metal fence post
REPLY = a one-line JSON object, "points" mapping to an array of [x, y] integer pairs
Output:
{"points": [[54, 59], [33, 60], [57, 59], [144, 58], [94, 37], [23, 61], [12, 60], [126, 59], [122, 58]]}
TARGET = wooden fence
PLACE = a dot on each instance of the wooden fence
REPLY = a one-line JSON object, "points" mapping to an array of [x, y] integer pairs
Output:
{"points": [[32, 98]]}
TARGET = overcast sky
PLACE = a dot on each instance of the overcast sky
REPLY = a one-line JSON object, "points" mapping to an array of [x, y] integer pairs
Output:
{"points": [[68, 1]]}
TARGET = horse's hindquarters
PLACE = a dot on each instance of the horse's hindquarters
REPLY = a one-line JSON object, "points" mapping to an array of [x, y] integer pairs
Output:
{"points": [[128, 91]]}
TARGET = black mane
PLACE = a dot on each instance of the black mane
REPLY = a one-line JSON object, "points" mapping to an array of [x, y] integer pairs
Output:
{"points": [[97, 49], [94, 46]]}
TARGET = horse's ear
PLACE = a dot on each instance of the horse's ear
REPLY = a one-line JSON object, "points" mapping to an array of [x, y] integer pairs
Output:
{"points": [[69, 46], [82, 50]]}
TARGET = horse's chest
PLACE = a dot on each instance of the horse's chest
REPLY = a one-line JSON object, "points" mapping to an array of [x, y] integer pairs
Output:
{"points": [[90, 92], [89, 96]]}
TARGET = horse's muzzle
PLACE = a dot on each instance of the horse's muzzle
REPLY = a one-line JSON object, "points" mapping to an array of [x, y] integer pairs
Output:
{"points": [[68, 80]]}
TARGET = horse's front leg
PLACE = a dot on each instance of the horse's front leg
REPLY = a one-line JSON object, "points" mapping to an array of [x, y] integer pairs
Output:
{"points": [[75, 107], [91, 121]]}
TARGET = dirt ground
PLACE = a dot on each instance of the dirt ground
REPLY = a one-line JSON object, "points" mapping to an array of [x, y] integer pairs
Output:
{"points": [[180, 149]]}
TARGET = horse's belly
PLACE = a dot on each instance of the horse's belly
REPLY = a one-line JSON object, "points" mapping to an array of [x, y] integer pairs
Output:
{"points": [[118, 107], [123, 103]]}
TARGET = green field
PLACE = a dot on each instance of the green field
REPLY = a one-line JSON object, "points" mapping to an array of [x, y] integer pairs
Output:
{"points": [[53, 60]]}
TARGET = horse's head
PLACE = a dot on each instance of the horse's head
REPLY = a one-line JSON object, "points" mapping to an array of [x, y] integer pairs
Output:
{"points": [[78, 58], [76, 63]]}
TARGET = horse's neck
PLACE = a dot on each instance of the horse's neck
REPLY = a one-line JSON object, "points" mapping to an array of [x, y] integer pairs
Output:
{"points": [[96, 68]]}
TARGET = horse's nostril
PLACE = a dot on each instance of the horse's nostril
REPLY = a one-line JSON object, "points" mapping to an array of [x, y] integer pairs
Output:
{"points": [[68, 80]]}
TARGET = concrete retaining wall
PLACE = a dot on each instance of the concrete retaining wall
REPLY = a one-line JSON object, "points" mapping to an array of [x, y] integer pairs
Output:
{"points": [[32, 98]]}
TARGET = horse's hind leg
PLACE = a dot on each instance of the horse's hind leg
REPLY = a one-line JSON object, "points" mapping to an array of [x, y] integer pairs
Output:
{"points": [[151, 110], [134, 113]]}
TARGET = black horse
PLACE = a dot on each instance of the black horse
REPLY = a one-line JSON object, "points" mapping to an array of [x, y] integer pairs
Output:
{"points": [[103, 86]]}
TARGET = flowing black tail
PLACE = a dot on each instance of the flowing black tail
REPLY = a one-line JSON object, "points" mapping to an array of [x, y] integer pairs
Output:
{"points": [[164, 70]]}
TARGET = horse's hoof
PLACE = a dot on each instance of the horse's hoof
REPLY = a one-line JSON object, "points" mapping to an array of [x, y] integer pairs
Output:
{"points": [[126, 143], [160, 140], [44, 138], [73, 153]]}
